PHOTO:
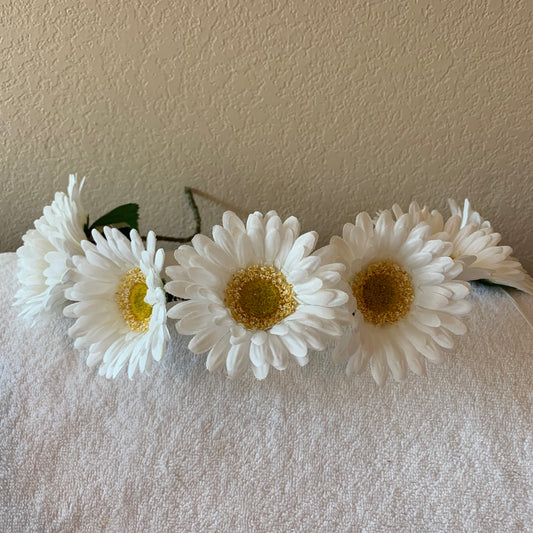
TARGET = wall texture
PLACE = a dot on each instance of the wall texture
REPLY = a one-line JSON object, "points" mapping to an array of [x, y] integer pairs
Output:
{"points": [[316, 108]]}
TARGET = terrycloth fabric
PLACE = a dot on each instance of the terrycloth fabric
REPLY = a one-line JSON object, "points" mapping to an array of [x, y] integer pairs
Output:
{"points": [[305, 450]]}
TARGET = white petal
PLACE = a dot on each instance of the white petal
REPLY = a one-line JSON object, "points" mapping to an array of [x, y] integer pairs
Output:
{"points": [[378, 368], [414, 360], [396, 361], [261, 372], [179, 288], [431, 352], [217, 355], [452, 324], [259, 338], [278, 356], [240, 335], [176, 272], [327, 313], [182, 309], [272, 245], [309, 264], [426, 317], [431, 299], [280, 328], [287, 237], [258, 354], [302, 361], [294, 345], [218, 256], [342, 251], [326, 298], [459, 307], [295, 255], [200, 243], [233, 223], [429, 277], [314, 339], [184, 254], [340, 351], [460, 289], [225, 240], [292, 224], [364, 222], [193, 323], [309, 287], [256, 231], [443, 339], [205, 339], [245, 249], [203, 276], [356, 363], [237, 360], [418, 260]]}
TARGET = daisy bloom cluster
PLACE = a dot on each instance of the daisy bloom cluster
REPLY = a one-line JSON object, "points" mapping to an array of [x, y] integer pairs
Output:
{"points": [[119, 302], [404, 295], [257, 295], [45, 259], [390, 291], [474, 236], [475, 245]]}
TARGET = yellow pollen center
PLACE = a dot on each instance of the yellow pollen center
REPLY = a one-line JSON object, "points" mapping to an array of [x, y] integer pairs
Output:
{"points": [[130, 300], [259, 297], [384, 293]]}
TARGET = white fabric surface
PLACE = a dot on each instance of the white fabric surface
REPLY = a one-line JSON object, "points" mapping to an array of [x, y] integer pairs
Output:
{"points": [[305, 450]]}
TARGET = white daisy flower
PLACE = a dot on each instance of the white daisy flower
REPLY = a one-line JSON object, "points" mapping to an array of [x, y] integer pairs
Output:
{"points": [[120, 304], [474, 236], [45, 258], [403, 293], [475, 245], [256, 294]]}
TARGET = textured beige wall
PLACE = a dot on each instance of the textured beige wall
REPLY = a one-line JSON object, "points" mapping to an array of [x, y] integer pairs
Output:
{"points": [[315, 108]]}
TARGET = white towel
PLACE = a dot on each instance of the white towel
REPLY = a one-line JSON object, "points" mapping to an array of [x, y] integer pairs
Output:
{"points": [[308, 449]]}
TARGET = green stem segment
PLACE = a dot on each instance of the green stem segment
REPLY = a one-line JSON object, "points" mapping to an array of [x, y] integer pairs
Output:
{"points": [[197, 220]]}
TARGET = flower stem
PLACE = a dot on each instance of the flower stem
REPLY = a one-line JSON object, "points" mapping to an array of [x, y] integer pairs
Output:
{"points": [[197, 219]]}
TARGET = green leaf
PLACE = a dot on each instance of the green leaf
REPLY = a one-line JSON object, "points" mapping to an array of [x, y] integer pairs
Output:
{"points": [[127, 214]]}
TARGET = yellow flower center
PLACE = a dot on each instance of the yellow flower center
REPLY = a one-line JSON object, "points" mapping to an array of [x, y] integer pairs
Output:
{"points": [[384, 293], [130, 300], [259, 297]]}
